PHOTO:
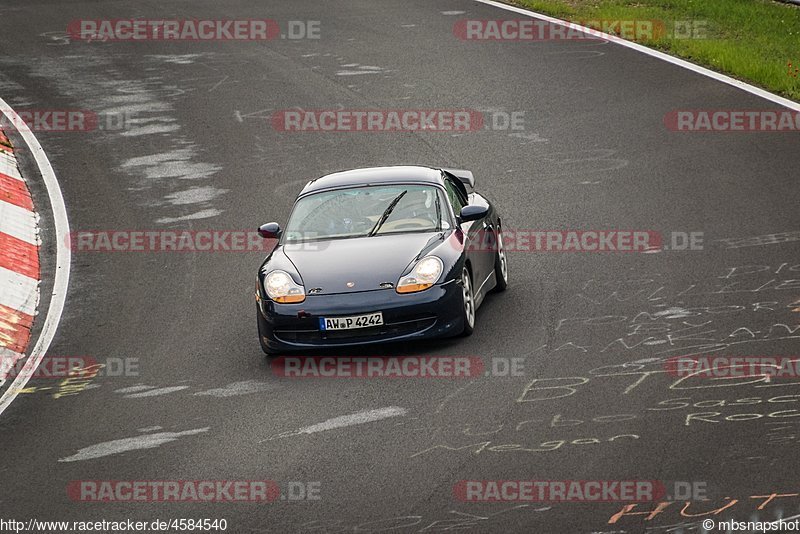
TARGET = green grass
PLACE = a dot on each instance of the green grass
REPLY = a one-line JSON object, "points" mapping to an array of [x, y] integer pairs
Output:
{"points": [[752, 40]]}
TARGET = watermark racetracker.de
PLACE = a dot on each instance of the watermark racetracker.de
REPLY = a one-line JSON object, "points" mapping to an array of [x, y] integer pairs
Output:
{"points": [[196, 30]]}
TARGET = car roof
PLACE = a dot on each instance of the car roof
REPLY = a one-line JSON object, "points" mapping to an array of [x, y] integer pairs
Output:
{"points": [[375, 176]]}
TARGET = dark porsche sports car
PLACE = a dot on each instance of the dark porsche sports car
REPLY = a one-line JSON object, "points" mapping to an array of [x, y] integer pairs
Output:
{"points": [[379, 254]]}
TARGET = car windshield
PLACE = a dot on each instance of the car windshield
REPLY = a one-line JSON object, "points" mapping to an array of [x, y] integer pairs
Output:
{"points": [[367, 211]]}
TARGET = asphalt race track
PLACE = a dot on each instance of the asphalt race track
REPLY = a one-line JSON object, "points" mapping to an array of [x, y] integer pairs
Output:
{"points": [[201, 153]]}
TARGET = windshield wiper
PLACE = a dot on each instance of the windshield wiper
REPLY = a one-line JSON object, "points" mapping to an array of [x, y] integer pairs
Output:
{"points": [[386, 214]]}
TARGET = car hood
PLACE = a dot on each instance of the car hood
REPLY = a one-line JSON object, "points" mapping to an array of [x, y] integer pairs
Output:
{"points": [[366, 262]]}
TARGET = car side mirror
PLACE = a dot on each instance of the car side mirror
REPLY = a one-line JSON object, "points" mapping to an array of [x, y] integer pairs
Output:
{"points": [[270, 230], [472, 213]]}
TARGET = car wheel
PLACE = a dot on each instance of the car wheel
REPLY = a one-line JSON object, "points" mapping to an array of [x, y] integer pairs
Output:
{"points": [[500, 264], [262, 331], [467, 302]]}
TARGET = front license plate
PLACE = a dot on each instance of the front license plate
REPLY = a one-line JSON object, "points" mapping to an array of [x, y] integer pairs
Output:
{"points": [[349, 323]]}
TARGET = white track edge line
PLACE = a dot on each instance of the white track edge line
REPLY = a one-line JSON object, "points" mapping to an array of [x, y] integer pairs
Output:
{"points": [[63, 258], [752, 89]]}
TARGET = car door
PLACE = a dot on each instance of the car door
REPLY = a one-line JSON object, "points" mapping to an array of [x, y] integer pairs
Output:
{"points": [[477, 234]]}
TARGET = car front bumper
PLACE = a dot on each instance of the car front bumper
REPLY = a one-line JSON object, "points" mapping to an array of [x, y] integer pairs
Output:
{"points": [[435, 312]]}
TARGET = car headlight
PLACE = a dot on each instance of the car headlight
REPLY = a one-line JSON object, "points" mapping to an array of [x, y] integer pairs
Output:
{"points": [[280, 287], [424, 274]]}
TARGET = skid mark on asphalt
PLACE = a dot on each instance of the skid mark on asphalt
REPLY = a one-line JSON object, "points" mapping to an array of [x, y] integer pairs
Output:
{"points": [[260, 115], [118, 446], [760, 240], [195, 195], [234, 389], [56, 38], [133, 389], [577, 54], [240, 388], [348, 67], [149, 129], [155, 392], [9, 86], [342, 421], [358, 70], [532, 137], [578, 162], [203, 214], [176, 59], [143, 108], [674, 312], [149, 429], [173, 164]]}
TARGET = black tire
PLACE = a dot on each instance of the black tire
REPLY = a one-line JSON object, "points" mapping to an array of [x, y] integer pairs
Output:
{"points": [[467, 302], [500, 264]]}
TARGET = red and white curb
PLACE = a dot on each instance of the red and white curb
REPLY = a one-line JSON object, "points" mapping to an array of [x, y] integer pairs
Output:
{"points": [[19, 262]]}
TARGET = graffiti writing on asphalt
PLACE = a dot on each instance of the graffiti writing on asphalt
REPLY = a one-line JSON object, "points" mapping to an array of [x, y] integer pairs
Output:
{"points": [[629, 377], [451, 521], [650, 511], [77, 381], [545, 446], [739, 306]]}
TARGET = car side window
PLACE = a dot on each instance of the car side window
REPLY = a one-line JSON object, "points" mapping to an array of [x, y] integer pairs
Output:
{"points": [[444, 213], [454, 196]]}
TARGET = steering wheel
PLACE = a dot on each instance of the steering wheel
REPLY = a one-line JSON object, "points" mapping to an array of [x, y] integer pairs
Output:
{"points": [[353, 224]]}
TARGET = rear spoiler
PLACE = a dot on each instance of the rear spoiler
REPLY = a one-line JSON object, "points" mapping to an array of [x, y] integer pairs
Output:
{"points": [[464, 176]]}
